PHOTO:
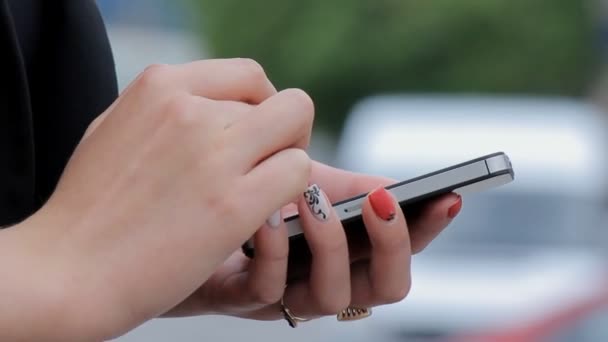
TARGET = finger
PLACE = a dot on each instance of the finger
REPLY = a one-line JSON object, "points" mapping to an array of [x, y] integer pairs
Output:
{"points": [[285, 120], [226, 283], [222, 114], [329, 283], [261, 282], [238, 79], [341, 184], [272, 184], [431, 221], [424, 227], [268, 270], [387, 279]]}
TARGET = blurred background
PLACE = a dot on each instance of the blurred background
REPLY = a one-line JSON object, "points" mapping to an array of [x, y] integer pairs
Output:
{"points": [[404, 87]]}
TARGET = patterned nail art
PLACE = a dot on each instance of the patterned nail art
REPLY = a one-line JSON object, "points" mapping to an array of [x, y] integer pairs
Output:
{"points": [[317, 202]]}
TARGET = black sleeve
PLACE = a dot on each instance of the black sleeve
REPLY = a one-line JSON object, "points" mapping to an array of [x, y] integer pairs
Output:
{"points": [[47, 103]]}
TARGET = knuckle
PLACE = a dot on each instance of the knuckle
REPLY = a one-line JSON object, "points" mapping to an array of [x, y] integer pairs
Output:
{"points": [[179, 111], [252, 69], [302, 101], [396, 295], [154, 76], [333, 306], [392, 243], [271, 257], [333, 245], [267, 296], [223, 205], [154, 66], [301, 166]]}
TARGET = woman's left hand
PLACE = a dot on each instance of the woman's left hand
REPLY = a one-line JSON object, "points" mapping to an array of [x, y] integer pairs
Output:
{"points": [[253, 288]]}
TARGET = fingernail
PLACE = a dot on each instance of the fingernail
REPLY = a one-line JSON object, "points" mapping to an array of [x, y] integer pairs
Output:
{"points": [[317, 202], [274, 221], [455, 208], [383, 204]]}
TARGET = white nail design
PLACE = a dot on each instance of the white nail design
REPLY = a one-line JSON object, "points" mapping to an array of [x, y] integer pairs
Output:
{"points": [[274, 221], [317, 202]]}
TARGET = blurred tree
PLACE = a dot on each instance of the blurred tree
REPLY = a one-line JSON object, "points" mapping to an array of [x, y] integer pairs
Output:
{"points": [[342, 50]]}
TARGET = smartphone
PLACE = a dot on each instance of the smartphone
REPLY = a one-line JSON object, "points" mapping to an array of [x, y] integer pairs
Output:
{"points": [[472, 176]]}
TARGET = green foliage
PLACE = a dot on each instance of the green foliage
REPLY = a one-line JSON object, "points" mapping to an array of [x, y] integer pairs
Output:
{"points": [[342, 50]]}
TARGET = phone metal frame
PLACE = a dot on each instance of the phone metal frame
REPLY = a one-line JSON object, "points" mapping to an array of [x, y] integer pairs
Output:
{"points": [[472, 176]]}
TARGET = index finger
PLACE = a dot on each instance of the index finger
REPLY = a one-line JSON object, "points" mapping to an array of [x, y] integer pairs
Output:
{"points": [[340, 184], [237, 79]]}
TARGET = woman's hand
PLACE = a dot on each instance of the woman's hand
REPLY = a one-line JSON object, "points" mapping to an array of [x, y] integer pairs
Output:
{"points": [[164, 187], [252, 288]]}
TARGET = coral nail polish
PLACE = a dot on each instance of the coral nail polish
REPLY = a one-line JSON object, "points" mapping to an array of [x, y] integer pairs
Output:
{"points": [[383, 204], [455, 208]]}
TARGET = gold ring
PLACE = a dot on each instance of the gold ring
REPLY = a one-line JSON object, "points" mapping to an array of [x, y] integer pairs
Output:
{"points": [[353, 313], [291, 318]]}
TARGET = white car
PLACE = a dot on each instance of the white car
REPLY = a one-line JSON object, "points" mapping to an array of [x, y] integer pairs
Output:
{"points": [[514, 252]]}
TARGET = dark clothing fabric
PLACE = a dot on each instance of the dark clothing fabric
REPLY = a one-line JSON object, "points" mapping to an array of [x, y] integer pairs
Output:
{"points": [[57, 75]]}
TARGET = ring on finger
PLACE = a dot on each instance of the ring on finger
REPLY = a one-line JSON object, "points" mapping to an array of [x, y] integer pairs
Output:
{"points": [[292, 319], [353, 313]]}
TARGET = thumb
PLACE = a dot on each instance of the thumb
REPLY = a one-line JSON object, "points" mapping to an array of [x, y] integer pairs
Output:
{"points": [[274, 183]]}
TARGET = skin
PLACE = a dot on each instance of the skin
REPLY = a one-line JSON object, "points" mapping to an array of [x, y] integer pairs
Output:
{"points": [[163, 189]]}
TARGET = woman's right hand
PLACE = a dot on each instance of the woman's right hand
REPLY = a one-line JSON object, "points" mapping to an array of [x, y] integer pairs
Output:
{"points": [[163, 188]]}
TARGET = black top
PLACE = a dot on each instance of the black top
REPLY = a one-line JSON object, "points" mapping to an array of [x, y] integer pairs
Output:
{"points": [[57, 75]]}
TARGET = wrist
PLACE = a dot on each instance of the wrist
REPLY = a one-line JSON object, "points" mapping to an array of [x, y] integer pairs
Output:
{"points": [[33, 298], [45, 296]]}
